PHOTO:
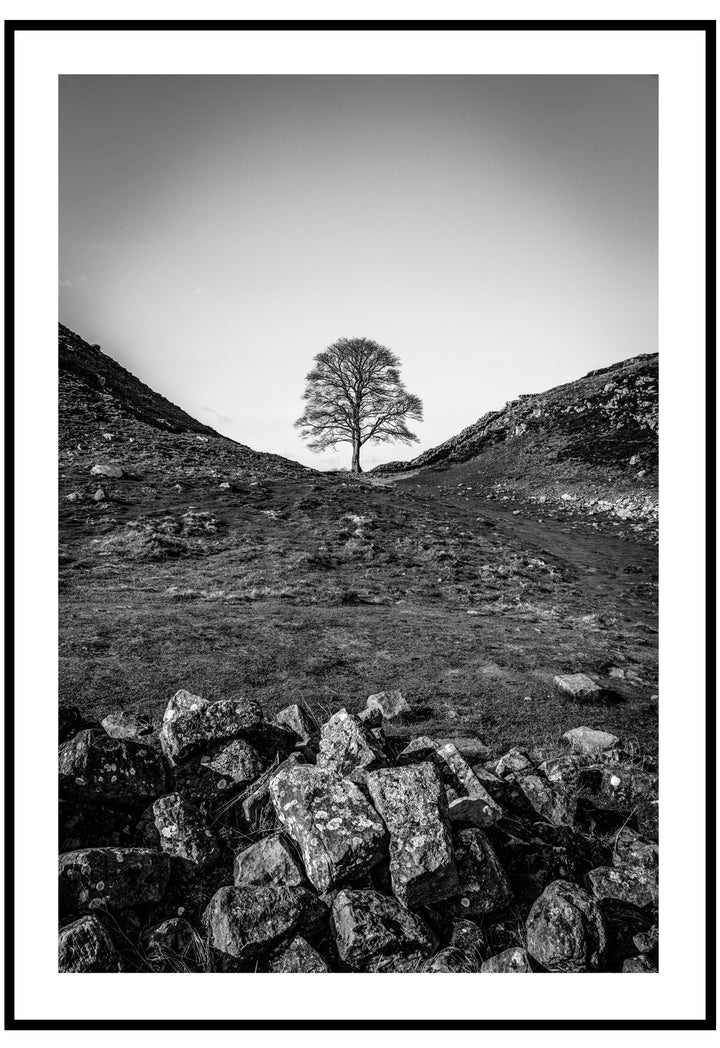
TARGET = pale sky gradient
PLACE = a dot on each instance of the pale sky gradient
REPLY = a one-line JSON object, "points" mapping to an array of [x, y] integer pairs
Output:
{"points": [[498, 233]]}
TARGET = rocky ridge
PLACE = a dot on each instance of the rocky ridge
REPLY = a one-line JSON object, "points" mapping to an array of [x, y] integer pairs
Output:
{"points": [[219, 841]]}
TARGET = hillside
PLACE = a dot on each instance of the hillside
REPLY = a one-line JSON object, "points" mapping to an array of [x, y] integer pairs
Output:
{"points": [[592, 442], [190, 561]]}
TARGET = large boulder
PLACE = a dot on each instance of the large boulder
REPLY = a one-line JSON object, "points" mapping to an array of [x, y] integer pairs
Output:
{"points": [[369, 926], [175, 826], [271, 860], [513, 960], [85, 946], [347, 747], [412, 803], [565, 931], [94, 767], [298, 957], [248, 922], [189, 722], [483, 884], [339, 834], [111, 878]]}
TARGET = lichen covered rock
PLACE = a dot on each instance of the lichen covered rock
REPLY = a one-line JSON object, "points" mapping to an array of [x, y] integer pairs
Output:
{"points": [[190, 722], [85, 946], [635, 885], [298, 957], [248, 922], [94, 767], [565, 930], [369, 926], [175, 826], [513, 960], [111, 878], [347, 747], [339, 834], [297, 719], [412, 803]]}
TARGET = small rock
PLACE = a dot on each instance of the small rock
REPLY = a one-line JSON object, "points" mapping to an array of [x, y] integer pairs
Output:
{"points": [[639, 964], [646, 941], [578, 686], [94, 767], [175, 826], [563, 771], [298, 956], [107, 469], [111, 878], [391, 704], [268, 861], [99, 495], [565, 930], [174, 946], [247, 922], [468, 801], [190, 722], [637, 886], [298, 720], [368, 926], [587, 740], [257, 807], [347, 746], [412, 803], [483, 884], [85, 946], [513, 960], [470, 749], [123, 724], [339, 834]]}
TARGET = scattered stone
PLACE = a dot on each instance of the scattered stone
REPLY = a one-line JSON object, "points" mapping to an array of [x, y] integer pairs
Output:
{"points": [[483, 884], [587, 740], [347, 746], [470, 749], [298, 720], [368, 926], [176, 827], [563, 771], [93, 766], [123, 724], [412, 803], [247, 922], [107, 469], [99, 495], [339, 834], [391, 704], [637, 886], [298, 956], [85, 946], [552, 801], [268, 861], [513, 960], [639, 964], [190, 722], [565, 931], [111, 878], [578, 686]]}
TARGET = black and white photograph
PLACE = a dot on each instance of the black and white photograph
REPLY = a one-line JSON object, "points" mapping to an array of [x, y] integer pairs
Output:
{"points": [[358, 416]]}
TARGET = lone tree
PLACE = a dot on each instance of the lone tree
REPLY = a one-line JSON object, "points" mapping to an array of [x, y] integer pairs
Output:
{"points": [[355, 394]]}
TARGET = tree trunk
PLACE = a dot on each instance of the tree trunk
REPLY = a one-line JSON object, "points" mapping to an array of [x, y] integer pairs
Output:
{"points": [[355, 468]]}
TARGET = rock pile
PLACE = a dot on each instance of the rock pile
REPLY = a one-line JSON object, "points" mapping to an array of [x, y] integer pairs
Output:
{"points": [[224, 842]]}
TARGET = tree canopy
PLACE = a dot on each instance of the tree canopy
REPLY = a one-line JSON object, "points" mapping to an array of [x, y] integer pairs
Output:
{"points": [[354, 394]]}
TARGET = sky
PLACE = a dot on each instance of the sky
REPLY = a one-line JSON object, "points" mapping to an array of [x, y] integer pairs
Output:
{"points": [[498, 233]]}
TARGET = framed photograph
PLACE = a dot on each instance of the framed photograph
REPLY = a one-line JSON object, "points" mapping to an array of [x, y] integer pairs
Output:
{"points": [[372, 625]]}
